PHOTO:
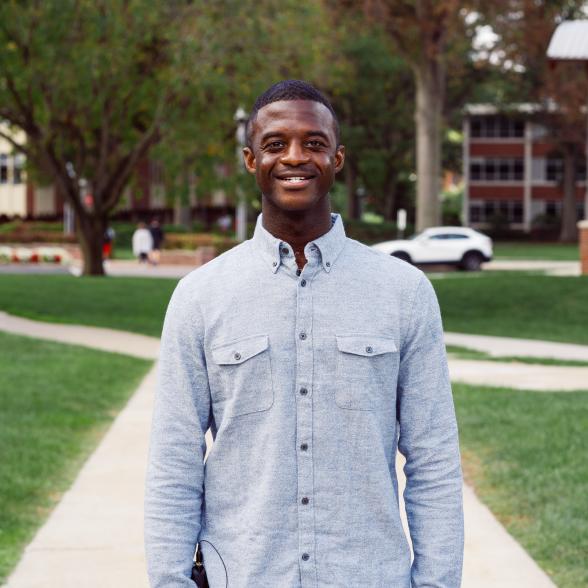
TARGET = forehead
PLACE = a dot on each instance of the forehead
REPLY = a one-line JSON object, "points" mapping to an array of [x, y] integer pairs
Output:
{"points": [[294, 116]]}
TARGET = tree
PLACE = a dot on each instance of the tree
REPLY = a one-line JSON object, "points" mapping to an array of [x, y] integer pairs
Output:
{"points": [[90, 83], [251, 53], [422, 30], [373, 92]]}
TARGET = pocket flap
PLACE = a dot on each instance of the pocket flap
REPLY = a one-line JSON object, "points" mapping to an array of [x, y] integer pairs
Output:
{"points": [[240, 350], [366, 345]]}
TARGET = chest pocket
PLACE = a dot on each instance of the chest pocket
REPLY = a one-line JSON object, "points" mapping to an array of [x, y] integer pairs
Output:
{"points": [[244, 374], [366, 371]]}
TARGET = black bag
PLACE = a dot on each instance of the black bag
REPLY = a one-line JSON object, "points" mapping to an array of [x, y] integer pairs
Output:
{"points": [[198, 571]]}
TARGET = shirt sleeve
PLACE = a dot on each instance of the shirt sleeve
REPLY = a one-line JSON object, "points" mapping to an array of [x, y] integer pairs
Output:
{"points": [[175, 471], [428, 439]]}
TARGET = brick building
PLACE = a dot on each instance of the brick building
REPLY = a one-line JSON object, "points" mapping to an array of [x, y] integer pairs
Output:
{"points": [[512, 168]]}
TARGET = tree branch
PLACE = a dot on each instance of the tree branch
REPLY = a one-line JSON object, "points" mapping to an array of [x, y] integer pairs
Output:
{"points": [[17, 146]]}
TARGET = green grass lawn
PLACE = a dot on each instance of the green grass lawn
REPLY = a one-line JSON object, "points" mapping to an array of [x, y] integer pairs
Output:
{"points": [[545, 251], [129, 304], [512, 304], [525, 454], [56, 402], [459, 352]]}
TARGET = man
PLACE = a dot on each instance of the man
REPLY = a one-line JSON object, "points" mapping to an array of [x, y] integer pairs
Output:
{"points": [[312, 358]]}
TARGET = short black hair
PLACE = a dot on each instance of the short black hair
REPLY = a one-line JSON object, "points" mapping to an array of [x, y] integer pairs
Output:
{"points": [[289, 90]]}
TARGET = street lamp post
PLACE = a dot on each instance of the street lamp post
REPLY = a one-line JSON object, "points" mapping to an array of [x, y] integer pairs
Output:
{"points": [[241, 139]]}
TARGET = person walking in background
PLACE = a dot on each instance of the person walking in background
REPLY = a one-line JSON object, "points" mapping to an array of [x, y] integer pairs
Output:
{"points": [[142, 243], [108, 242], [158, 236], [312, 359]]}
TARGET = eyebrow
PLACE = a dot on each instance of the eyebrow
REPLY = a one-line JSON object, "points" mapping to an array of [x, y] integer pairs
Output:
{"points": [[277, 134]]}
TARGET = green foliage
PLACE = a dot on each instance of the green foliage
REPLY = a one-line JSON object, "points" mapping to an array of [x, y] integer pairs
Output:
{"points": [[251, 52], [372, 90]]}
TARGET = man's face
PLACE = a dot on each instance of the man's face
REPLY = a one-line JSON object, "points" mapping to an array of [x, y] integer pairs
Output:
{"points": [[294, 153]]}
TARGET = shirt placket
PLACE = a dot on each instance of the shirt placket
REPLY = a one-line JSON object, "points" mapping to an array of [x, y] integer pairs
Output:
{"points": [[304, 420]]}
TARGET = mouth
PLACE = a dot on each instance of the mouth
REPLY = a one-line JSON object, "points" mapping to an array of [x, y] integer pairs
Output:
{"points": [[295, 182]]}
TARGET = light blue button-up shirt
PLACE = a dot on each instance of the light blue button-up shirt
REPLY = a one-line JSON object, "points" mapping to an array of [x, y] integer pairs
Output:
{"points": [[310, 381]]}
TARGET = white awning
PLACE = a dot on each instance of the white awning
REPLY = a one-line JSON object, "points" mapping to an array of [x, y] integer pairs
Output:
{"points": [[569, 41]]}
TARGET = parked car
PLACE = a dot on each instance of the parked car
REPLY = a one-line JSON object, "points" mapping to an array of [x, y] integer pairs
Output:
{"points": [[460, 246]]}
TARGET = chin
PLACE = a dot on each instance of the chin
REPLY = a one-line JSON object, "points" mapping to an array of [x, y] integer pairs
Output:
{"points": [[294, 201]]}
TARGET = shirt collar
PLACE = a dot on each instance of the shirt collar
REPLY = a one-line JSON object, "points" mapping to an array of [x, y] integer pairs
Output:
{"points": [[329, 244]]}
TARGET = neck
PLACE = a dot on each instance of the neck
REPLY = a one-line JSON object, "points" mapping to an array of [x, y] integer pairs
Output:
{"points": [[297, 227]]}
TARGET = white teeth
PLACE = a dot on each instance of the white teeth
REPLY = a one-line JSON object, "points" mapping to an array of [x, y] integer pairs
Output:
{"points": [[294, 179]]}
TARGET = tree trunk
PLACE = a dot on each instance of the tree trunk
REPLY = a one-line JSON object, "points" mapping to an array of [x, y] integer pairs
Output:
{"points": [[353, 211], [429, 76], [90, 230], [569, 231]]}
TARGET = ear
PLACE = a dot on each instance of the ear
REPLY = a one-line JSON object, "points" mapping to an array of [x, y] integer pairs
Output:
{"points": [[339, 158], [249, 160]]}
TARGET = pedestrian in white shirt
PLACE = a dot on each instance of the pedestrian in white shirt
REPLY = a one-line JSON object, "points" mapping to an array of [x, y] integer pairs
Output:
{"points": [[142, 242]]}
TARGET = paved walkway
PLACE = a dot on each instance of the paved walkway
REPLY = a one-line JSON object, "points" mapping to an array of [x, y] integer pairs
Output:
{"points": [[95, 337], [93, 538], [507, 346], [552, 268]]}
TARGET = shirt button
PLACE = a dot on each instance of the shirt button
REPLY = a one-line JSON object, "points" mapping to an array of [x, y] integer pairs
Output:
{"points": [[369, 349], [303, 283], [328, 264], [237, 356], [298, 272], [303, 391], [305, 500], [302, 335], [285, 251], [305, 556], [275, 263], [304, 446]]}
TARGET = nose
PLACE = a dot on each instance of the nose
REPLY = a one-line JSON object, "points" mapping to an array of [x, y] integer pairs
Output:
{"points": [[294, 154]]}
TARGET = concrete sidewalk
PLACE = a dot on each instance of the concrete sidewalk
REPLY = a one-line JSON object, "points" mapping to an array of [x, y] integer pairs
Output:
{"points": [[93, 538], [507, 346], [95, 337], [519, 375], [550, 267]]}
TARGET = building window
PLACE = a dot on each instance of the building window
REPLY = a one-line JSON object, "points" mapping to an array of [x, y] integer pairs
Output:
{"points": [[19, 161], [487, 211], [554, 169], [497, 170], [3, 168], [499, 126], [475, 213], [552, 209]]}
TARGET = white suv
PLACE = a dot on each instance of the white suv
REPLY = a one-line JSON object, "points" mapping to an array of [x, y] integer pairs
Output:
{"points": [[459, 246]]}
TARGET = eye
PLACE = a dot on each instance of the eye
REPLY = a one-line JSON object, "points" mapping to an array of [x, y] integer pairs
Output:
{"points": [[315, 143], [274, 145]]}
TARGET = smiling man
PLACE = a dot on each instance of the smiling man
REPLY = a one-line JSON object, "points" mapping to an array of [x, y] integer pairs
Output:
{"points": [[312, 359]]}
